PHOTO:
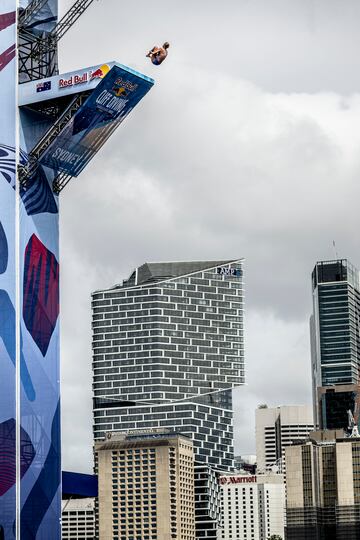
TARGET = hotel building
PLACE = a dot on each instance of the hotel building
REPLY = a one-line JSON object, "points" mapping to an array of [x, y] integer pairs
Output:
{"points": [[146, 486], [252, 506]]}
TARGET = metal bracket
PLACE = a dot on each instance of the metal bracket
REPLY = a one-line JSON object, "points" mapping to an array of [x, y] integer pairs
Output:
{"points": [[29, 169]]}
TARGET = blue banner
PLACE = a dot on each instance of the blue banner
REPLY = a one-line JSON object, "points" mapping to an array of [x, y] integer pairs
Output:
{"points": [[108, 105]]}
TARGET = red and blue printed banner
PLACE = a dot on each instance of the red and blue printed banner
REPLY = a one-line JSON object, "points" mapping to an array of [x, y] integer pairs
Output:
{"points": [[7, 274]]}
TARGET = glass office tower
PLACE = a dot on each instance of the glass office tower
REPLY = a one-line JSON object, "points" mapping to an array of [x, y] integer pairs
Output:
{"points": [[335, 343], [167, 352]]}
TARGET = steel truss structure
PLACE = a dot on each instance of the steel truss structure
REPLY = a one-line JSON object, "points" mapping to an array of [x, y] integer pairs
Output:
{"points": [[38, 53], [38, 60], [62, 112]]}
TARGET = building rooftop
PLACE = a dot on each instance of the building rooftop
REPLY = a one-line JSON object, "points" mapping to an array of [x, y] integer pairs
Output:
{"points": [[150, 437], [78, 504], [338, 270], [153, 272]]}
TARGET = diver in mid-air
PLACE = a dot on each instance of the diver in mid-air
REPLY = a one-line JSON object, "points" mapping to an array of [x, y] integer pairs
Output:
{"points": [[158, 54]]}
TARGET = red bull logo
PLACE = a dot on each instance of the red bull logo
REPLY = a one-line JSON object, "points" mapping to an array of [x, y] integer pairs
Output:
{"points": [[84, 77], [100, 72]]}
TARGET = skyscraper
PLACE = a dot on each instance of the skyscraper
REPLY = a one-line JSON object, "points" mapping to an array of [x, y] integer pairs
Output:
{"points": [[168, 350], [277, 428], [335, 343]]}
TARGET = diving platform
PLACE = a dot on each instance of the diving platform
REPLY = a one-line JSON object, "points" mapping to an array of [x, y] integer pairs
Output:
{"points": [[76, 113]]}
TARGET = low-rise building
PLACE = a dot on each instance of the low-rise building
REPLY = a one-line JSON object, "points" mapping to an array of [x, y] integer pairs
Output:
{"points": [[78, 519]]}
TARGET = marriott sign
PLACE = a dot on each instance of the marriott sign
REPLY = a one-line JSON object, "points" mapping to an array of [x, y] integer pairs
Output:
{"points": [[237, 480]]}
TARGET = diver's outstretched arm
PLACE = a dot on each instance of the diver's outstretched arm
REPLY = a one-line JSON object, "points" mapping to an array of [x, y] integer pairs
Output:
{"points": [[150, 52]]}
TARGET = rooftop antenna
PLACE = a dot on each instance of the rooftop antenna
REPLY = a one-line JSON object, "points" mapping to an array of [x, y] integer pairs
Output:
{"points": [[335, 250]]}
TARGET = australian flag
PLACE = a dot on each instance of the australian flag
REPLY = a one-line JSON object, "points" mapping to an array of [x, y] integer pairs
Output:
{"points": [[43, 87]]}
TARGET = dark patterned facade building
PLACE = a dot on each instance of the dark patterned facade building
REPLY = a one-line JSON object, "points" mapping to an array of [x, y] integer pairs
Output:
{"points": [[167, 352]]}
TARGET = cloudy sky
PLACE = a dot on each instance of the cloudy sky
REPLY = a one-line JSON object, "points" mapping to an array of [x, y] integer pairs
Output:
{"points": [[247, 146]]}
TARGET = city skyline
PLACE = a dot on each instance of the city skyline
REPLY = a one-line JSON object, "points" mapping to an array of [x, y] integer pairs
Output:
{"points": [[282, 140]]}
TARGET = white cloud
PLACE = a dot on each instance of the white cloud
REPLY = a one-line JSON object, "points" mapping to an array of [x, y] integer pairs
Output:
{"points": [[278, 372]]}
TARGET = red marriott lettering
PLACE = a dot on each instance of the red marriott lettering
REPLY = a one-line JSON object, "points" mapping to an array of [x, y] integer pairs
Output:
{"points": [[237, 480]]}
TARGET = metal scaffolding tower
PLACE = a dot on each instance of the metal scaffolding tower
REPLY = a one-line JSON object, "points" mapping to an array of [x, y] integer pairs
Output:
{"points": [[38, 53], [26, 14], [38, 60]]}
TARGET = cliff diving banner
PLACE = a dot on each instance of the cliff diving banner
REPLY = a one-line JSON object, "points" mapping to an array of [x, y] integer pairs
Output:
{"points": [[104, 110]]}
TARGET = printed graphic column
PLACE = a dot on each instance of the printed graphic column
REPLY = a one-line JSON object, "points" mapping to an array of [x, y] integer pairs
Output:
{"points": [[39, 320], [39, 360], [7, 270]]}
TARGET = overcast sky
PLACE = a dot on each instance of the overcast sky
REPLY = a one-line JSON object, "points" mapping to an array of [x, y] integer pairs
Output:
{"points": [[247, 146]]}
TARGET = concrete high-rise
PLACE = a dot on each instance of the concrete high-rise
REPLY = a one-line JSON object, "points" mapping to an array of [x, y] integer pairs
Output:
{"points": [[146, 486], [167, 352], [277, 428], [323, 487], [335, 343]]}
